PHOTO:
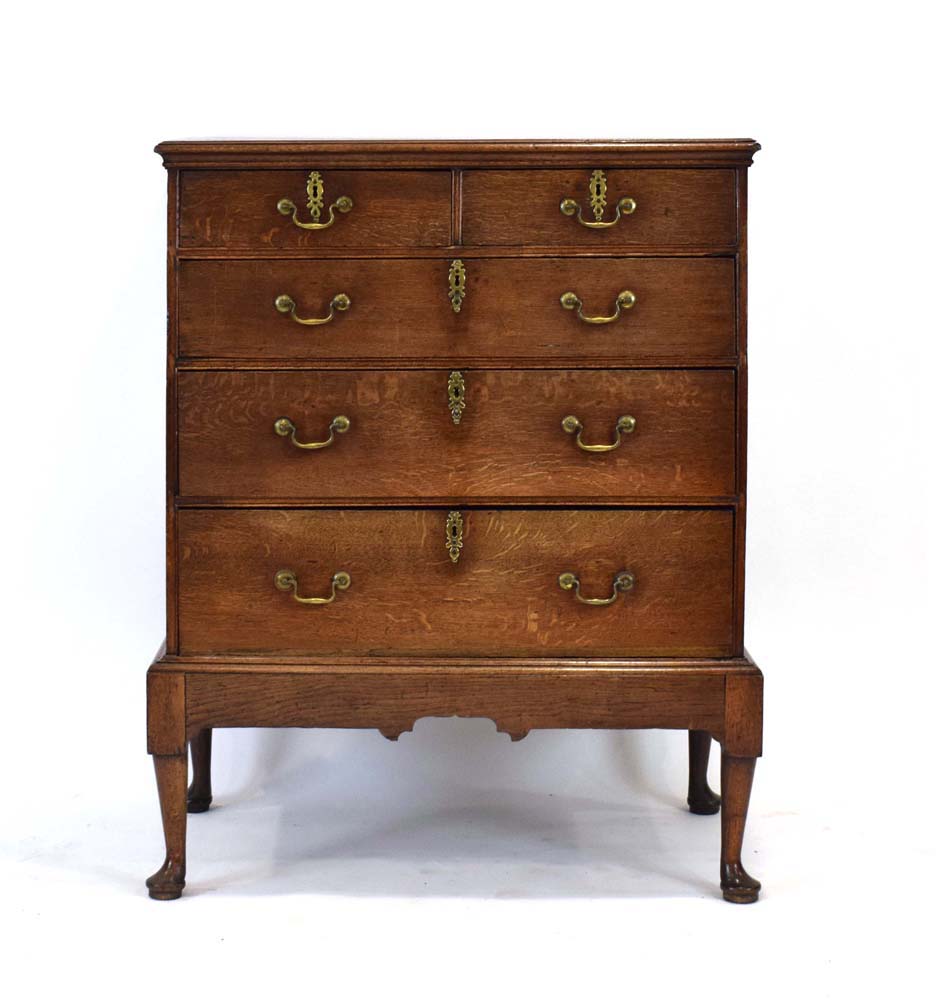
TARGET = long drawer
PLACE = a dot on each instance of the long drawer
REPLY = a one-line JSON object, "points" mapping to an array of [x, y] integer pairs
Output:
{"points": [[623, 308], [665, 578], [477, 433]]}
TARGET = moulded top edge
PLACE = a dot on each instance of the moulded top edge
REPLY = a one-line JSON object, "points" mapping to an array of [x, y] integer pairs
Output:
{"points": [[489, 152]]}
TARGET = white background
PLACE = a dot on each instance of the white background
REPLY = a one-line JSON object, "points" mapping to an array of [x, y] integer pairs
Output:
{"points": [[455, 863]]}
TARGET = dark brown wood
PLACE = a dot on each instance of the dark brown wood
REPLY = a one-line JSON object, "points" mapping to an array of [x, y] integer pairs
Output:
{"points": [[737, 775], [355, 666], [172, 462], [199, 796], [741, 401], [239, 209], [508, 207], [744, 723], [401, 309], [493, 635], [501, 598], [516, 699], [168, 881], [166, 714], [510, 441], [701, 799], [446, 154]]}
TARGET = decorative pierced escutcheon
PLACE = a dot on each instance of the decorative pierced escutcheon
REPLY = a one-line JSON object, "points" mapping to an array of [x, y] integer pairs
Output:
{"points": [[625, 425], [286, 580], [453, 535], [456, 396], [597, 192], [315, 197], [457, 284], [625, 300], [623, 582], [284, 427], [286, 305]]}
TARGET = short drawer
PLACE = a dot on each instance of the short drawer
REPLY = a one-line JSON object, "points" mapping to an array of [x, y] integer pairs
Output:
{"points": [[666, 578], [352, 208], [613, 308], [655, 208], [473, 433]]}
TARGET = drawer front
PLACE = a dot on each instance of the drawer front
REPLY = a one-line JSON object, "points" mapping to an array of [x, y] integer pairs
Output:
{"points": [[404, 442], [509, 308], [502, 596], [672, 208], [240, 208]]}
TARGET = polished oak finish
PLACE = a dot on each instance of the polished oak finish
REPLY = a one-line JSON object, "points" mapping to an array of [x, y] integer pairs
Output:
{"points": [[511, 309], [456, 429], [239, 209], [502, 597], [673, 208], [402, 440]]}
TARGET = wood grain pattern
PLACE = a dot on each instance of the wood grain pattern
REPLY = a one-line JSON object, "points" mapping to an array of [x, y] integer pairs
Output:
{"points": [[516, 702], [166, 707], [403, 441], [737, 776], [239, 209], [501, 598], [744, 722], [170, 878], [493, 635], [400, 309], [509, 207], [450, 153]]}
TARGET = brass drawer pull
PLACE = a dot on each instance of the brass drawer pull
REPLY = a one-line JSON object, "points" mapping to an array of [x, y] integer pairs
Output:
{"points": [[597, 187], [625, 300], [315, 192], [283, 427], [623, 582], [286, 579], [625, 425], [339, 303]]}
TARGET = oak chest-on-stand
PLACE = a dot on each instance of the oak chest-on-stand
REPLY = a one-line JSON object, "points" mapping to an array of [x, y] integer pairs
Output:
{"points": [[456, 429]]}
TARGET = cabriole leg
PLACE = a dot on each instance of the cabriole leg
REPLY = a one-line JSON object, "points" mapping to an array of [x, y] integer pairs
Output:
{"points": [[168, 881], [702, 800], [737, 775], [199, 796]]}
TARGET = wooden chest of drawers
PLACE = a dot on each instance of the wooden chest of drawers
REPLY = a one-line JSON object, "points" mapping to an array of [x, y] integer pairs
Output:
{"points": [[456, 429]]}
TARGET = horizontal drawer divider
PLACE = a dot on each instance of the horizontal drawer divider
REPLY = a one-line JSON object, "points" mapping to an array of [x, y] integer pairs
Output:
{"points": [[452, 250], [410, 503], [380, 663], [464, 364]]}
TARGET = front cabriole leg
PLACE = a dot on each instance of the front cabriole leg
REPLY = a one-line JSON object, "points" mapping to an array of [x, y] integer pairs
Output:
{"points": [[168, 881], [741, 744], [166, 743], [737, 775]]}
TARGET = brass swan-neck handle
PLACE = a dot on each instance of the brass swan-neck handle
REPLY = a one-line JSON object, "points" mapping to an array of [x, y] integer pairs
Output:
{"points": [[597, 189], [623, 581], [625, 425], [286, 305], [286, 580], [625, 300], [284, 427], [315, 198]]}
